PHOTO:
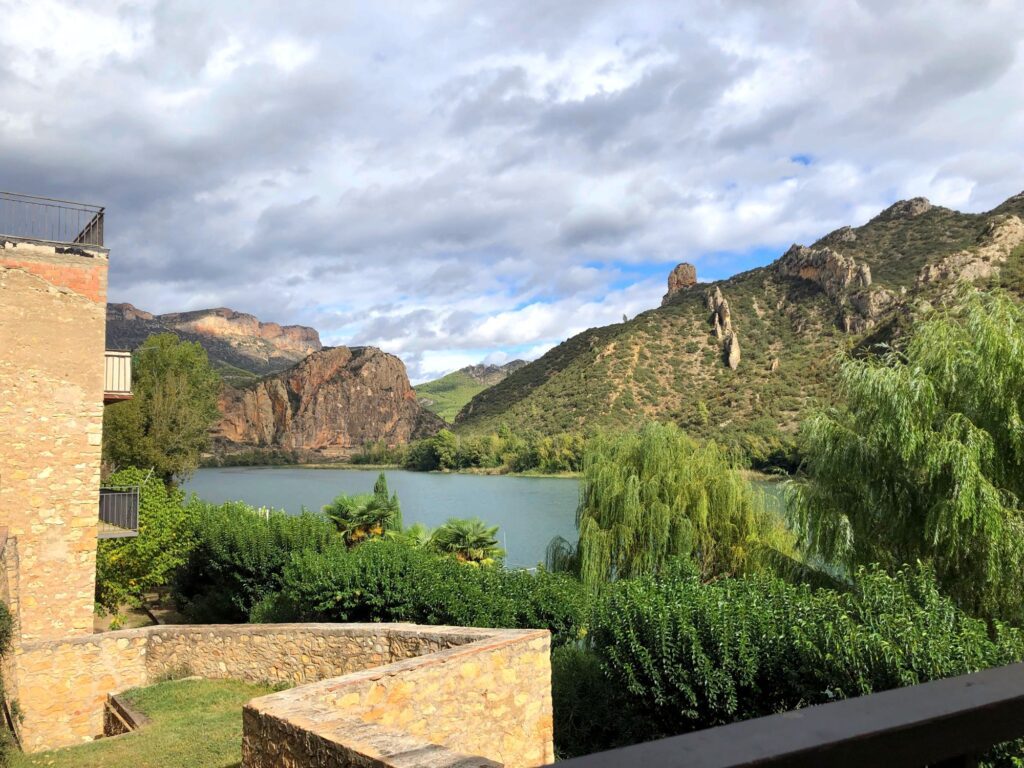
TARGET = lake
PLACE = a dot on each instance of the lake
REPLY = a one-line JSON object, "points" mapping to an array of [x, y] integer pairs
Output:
{"points": [[530, 511]]}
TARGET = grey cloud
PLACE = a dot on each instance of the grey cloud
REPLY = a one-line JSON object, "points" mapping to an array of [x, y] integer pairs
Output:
{"points": [[412, 177]]}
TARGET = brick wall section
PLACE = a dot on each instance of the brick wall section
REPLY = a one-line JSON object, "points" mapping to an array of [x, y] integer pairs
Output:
{"points": [[52, 322], [448, 690], [490, 698]]}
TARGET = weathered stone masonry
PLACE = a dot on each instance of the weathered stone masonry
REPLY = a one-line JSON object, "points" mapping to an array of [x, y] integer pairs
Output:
{"points": [[52, 309], [366, 695], [375, 691]]}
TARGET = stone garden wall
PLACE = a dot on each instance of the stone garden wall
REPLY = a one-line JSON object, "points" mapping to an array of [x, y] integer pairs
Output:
{"points": [[363, 690], [484, 703]]}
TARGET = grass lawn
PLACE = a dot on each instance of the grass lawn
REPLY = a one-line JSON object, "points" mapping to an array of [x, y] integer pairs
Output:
{"points": [[193, 724]]}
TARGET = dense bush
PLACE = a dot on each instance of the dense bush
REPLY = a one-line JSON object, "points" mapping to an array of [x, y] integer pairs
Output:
{"points": [[504, 451], [239, 556], [693, 655], [128, 568], [393, 580]]}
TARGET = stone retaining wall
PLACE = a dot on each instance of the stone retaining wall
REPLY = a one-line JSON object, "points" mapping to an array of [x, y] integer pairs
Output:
{"points": [[484, 703], [363, 689]]}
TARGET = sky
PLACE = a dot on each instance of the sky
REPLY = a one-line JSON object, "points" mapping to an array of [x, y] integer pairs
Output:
{"points": [[458, 182]]}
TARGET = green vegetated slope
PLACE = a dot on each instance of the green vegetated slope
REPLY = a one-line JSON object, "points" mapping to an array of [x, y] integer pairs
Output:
{"points": [[447, 395], [193, 724], [667, 364]]}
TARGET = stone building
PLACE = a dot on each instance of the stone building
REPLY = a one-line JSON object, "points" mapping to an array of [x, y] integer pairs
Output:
{"points": [[368, 695]]}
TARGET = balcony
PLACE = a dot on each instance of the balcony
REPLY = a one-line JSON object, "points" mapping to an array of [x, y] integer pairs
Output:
{"points": [[49, 219], [119, 512], [117, 376], [948, 723]]}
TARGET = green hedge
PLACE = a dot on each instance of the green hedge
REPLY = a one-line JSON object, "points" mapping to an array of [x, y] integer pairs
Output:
{"points": [[392, 580], [691, 655], [239, 557]]}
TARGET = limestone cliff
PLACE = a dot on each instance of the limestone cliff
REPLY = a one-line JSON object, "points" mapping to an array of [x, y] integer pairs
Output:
{"points": [[332, 403], [228, 324], [240, 346]]}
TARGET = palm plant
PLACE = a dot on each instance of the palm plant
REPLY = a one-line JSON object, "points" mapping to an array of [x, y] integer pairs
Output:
{"points": [[471, 541], [366, 515]]}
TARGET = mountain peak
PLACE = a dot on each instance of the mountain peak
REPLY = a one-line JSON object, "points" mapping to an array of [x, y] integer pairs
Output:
{"points": [[905, 209]]}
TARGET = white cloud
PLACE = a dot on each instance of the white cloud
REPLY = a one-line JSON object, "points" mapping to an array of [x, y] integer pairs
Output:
{"points": [[458, 182]]}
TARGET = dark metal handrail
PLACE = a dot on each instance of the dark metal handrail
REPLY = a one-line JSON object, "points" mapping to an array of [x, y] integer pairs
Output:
{"points": [[942, 723], [47, 218], [119, 511]]}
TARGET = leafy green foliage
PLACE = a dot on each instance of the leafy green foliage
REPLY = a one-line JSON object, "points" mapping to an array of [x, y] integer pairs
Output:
{"points": [[651, 495], [166, 425], [504, 451], [692, 655], [239, 556], [392, 580], [128, 568], [470, 541], [926, 460], [592, 712], [366, 515]]}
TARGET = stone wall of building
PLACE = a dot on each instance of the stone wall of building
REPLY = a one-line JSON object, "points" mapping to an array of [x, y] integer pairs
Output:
{"points": [[52, 315], [488, 699], [451, 690]]}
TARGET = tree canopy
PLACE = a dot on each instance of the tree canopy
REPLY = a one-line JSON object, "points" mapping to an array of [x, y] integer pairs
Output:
{"points": [[925, 460], [166, 425], [654, 494]]}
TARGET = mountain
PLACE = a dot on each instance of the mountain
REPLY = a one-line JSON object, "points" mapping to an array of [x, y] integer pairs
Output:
{"points": [[330, 404], [742, 360], [447, 395], [241, 347]]}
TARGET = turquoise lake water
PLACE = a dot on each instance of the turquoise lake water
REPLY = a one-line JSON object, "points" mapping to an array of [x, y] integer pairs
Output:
{"points": [[530, 511]]}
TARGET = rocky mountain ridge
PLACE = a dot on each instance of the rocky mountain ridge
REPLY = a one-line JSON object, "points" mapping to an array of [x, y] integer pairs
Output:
{"points": [[681, 362], [240, 345]]}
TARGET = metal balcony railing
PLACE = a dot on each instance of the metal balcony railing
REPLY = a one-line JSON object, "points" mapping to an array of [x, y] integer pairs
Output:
{"points": [[46, 218], [948, 723], [117, 376], [119, 511]]}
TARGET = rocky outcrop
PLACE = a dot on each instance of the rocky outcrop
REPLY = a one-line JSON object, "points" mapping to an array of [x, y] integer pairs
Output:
{"points": [[721, 322], [834, 273], [904, 209], [679, 279], [489, 375], [332, 403], [732, 350], [995, 243]]}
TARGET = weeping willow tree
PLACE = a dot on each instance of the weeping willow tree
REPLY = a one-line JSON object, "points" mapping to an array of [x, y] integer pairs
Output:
{"points": [[926, 459], [654, 494]]}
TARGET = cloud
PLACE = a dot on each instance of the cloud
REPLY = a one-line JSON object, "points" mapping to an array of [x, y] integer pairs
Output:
{"points": [[457, 182]]}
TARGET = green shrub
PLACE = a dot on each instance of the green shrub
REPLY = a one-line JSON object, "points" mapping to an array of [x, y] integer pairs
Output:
{"points": [[393, 580], [128, 568], [239, 557], [693, 655], [591, 712]]}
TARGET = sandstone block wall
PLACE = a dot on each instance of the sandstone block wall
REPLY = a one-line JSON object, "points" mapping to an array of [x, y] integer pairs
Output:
{"points": [[52, 315], [487, 699], [449, 691]]}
